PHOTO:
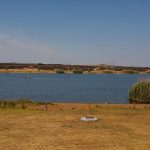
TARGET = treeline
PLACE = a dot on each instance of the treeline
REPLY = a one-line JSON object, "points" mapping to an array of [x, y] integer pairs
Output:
{"points": [[41, 66]]}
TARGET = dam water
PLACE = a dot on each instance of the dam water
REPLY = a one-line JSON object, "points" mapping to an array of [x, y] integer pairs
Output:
{"points": [[93, 88]]}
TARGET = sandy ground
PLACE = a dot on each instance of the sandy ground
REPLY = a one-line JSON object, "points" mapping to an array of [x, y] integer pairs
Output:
{"points": [[120, 127]]}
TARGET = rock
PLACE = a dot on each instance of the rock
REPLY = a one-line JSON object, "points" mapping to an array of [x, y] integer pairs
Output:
{"points": [[89, 119]]}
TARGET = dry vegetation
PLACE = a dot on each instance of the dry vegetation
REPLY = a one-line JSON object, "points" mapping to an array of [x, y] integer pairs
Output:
{"points": [[68, 68], [26, 70], [34, 70], [120, 127]]}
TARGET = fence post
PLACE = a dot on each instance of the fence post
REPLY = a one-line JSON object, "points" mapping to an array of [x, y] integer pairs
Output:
{"points": [[133, 105], [46, 106], [2, 104]]}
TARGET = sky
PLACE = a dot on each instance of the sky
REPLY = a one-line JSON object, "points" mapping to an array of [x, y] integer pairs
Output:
{"points": [[115, 32]]}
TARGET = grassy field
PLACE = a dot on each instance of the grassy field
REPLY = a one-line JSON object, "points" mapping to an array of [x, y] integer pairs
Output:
{"points": [[120, 127]]}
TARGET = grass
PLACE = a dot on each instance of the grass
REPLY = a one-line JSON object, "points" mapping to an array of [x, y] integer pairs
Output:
{"points": [[119, 127]]}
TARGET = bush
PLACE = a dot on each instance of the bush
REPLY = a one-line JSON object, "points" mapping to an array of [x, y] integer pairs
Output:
{"points": [[59, 71], [130, 72], [77, 71], [140, 92], [23, 107]]}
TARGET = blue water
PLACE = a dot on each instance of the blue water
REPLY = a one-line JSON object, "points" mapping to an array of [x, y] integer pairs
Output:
{"points": [[92, 88]]}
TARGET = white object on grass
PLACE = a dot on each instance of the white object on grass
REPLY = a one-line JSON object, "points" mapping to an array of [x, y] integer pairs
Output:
{"points": [[89, 119]]}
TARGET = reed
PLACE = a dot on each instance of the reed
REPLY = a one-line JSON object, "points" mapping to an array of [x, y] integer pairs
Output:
{"points": [[140, 92], [22, 103], [7, 104]]}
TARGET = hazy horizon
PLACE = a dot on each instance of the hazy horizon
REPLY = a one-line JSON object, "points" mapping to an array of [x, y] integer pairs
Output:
{"points": [[75, 32]]}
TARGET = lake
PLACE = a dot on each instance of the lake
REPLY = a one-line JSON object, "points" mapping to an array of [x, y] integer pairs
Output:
{"points": [[93, 88]]}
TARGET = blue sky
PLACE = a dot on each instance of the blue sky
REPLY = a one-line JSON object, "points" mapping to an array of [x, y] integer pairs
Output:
{"points": [[113, 32]]}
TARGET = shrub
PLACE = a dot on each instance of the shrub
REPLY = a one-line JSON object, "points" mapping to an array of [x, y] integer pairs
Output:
{"points": [[140, 92], [130, 71], [23, 107], [77, 71], [59, 71]]}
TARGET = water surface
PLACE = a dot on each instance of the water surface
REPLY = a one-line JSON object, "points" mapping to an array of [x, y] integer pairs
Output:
{"points": [[92, 88]]}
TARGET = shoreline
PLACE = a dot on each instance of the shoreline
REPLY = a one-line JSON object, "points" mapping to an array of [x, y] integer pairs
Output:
{"points": [[30, 101], [36, 71]]}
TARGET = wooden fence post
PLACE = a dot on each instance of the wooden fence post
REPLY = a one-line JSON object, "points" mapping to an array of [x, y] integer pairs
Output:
{"points": [[2, 104], [46, 106], [133, 105]]}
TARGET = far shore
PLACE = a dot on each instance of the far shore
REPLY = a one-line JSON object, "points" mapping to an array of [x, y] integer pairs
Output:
{"points": [[37, 71]]}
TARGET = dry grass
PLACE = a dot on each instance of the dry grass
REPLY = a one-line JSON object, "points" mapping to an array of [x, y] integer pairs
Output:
{"points": [[26, 70], [120, 127]]}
